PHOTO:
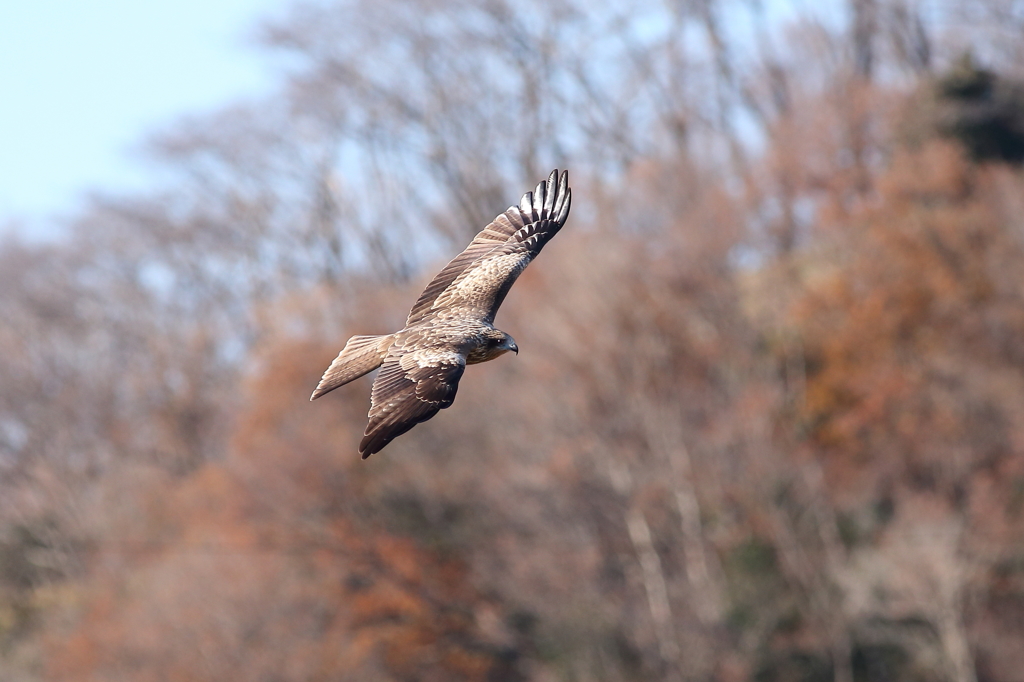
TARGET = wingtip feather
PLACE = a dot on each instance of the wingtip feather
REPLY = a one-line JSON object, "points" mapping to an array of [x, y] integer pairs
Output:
{"points": [[563, 212], [526, 204], [563, 191], [552, 193]]}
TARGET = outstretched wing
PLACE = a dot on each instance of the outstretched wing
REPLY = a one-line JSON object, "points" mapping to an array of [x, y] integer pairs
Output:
{"points": [[480, 277], [410, 388]]}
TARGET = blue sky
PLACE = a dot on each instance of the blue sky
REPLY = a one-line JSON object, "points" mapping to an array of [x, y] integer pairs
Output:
{"points": [[81, 83]]}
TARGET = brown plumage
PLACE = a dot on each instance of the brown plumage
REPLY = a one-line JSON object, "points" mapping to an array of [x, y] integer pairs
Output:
{"points": [[451, 325]]}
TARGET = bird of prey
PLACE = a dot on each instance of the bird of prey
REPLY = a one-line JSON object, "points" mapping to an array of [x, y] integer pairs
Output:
{"points": [[452, 323]]}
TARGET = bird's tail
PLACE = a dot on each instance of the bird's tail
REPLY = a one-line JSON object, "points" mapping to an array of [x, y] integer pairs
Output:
{"points": [[361, 354]]}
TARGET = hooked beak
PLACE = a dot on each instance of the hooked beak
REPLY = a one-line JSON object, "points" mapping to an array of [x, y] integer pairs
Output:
{"points": [[514, 348]]}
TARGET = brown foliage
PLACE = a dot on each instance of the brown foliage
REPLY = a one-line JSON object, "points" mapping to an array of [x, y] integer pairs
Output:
{"points": [[912, 328]]}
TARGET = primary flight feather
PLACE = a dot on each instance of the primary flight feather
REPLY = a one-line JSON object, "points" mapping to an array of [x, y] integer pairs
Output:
{"points": [[451, 325]]}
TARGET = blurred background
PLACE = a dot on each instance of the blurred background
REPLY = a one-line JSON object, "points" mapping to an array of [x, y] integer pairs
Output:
{"points": [[767, 422]]}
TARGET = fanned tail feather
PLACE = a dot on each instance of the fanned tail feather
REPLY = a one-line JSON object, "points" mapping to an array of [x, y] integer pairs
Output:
{"points": [[362, 354]]}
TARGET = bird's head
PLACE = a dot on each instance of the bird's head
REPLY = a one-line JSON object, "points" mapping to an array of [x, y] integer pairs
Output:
{"points": [[508, 343], [496, 342]]}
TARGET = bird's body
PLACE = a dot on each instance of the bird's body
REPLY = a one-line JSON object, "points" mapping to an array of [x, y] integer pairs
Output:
{"points": [[451, 324]]}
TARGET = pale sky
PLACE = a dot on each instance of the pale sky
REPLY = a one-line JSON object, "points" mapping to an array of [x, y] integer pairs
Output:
{"points": [[83, 81]]}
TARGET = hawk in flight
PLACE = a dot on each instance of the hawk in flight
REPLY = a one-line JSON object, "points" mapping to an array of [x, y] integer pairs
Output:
{"points": [[452, 323]]}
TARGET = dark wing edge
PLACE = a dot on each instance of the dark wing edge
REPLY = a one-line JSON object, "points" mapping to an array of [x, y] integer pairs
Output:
{"points": [[402, 398], [539, 215]]}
